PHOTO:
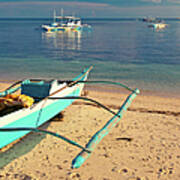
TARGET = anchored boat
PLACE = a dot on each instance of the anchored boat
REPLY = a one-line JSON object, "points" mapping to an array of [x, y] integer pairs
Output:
{"points": [[50, 98], [158, 26], [65, 24]]}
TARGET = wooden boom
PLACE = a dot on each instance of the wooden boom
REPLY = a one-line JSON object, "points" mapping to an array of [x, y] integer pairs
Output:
{"points": [[99, 135]]}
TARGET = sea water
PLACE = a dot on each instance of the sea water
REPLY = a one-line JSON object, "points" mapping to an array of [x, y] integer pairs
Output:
{"points": [[124, 50]]}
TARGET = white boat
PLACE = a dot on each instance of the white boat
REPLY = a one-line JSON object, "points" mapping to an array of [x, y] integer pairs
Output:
{"points": [[158, 26], [65, 24]]}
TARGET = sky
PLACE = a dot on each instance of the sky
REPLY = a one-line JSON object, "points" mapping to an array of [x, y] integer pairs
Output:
{"points": [[90, 8]]}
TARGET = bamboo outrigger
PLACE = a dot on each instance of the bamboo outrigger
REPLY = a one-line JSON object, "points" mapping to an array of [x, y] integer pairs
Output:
{"points": [[51, 98]]}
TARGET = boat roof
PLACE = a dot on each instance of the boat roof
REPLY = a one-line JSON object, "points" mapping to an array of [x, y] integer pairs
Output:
{"points": [[67, 17]]}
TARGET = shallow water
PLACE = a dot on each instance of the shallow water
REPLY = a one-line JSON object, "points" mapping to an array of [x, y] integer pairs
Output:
{"points": [[126, 51]]}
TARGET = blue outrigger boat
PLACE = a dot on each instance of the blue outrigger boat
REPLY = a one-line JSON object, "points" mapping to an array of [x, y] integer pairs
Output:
{"points": [[51, 97]]}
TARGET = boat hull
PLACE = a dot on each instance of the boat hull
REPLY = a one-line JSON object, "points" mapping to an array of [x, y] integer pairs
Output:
{"points": [[158, 26], [50, 29], [38, 114]]}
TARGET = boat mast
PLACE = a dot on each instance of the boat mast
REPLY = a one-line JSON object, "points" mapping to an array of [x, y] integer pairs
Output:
{"points": [[54, 16], [62, 14]]}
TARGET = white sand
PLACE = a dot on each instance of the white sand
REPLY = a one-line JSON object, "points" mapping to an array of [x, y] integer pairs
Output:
{"points": [[152, 126]]}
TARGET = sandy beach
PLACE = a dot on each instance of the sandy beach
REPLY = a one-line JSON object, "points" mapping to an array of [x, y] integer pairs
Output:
{"points": [[145, 145]]}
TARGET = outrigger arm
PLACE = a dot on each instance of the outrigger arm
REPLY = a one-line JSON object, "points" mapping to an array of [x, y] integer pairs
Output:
{"points": [[98, 136]]}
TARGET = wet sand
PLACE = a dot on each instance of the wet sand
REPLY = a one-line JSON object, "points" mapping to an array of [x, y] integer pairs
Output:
{"points": [[144, 145]]}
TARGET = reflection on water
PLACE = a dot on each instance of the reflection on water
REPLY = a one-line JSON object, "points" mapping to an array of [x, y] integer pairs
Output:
{"points": [[62, 41]]}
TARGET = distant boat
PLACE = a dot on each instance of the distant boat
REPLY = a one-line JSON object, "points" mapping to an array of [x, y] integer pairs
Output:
{"points": [[155, 23], [158, 26], [66, 24], [149, 19]]}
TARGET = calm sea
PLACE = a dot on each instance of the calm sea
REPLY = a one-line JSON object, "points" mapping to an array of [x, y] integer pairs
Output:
{"points": [[120, 50]]}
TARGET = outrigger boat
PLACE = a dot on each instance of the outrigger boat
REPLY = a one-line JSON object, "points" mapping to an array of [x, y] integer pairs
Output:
{"points": [[43, 108], [50, 98], [158, 26], [155, 23], [65, 24]]}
